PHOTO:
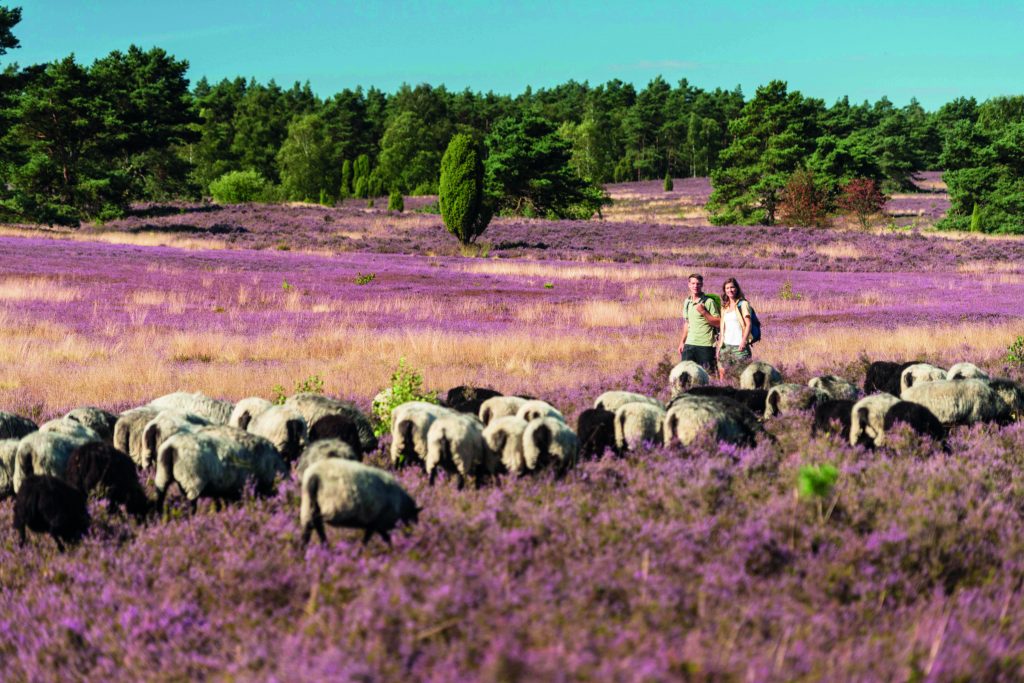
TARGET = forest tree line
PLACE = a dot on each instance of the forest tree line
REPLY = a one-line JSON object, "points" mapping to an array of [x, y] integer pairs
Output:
{"points": [[82, 142]]}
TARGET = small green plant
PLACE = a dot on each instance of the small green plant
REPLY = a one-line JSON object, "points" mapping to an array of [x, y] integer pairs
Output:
{"points": [[287, 286], [219, 309], [283, 246], [1015, 352], [396, 202], [816, 481], [549, 285], [786, 293], [406, 385], [366, 279], [669, 186], [314, 384], [369, 203]]}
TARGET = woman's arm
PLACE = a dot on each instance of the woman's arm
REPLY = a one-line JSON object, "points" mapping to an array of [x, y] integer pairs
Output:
{"points": [[745, 317]]}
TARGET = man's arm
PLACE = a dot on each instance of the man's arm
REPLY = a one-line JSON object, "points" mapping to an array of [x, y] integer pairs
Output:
{"points": [[713, 320], [682, 339]]}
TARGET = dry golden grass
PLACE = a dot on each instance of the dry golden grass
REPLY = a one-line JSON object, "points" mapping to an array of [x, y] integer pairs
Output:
{"points": [[143, 239], [840, 250], [17, 288]]}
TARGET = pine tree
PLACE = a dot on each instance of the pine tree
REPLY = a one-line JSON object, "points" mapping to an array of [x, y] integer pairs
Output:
{"points": [[464, 208]]}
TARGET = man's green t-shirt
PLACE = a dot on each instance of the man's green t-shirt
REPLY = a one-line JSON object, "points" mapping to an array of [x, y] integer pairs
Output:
{"points": [[699, 332]]}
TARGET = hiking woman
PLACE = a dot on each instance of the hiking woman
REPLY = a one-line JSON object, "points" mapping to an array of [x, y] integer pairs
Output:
{"points": [[733, 351]]}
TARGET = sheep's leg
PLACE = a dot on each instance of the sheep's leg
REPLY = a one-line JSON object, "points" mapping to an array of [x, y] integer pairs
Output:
{"points": [[193, 506], [160, 496], [21, 534], [462, 481], [476, 482], [367, 535], [218, 504], [60, 544], [307, 531], [386, 536], [433, 476], [318, 524]]}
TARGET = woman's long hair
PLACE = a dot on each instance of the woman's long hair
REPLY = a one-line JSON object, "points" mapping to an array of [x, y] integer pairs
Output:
{"points": [[739, 292]]}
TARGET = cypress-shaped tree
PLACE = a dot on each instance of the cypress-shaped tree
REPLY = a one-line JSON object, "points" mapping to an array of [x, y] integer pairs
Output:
{"points": [[346, 179], [975, 219], [464, 208], [668, 182], [396, 202]]}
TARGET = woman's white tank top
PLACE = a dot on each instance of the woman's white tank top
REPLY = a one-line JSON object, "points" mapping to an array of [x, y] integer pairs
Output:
{"points": [[733, 333]]}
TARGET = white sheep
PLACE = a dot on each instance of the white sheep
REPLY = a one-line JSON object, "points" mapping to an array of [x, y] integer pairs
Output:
{"points": [[130, 431], [685, 375], [70, 428], [282, 426], [246, 409], [96, 419], [455, 443], [321, 450], [785, 398], [8, 455], [500, 406], [759, 375], [959, 402], [215, 462], [503, 438], [613, 400], [46, 453], [636, 423], [867, 419], [324, 416], [214, 410], [722, 418], [919, 373], [410, 423], [15, 426], [549, 442], [835, 388], [536, 409], [349, 494], [965, 371], [165, 424]]}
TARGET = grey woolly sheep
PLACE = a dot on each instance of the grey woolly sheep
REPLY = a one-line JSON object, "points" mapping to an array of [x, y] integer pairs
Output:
{"points": [[536, 409], [410, 423], [835, 388], [15, 426], [1012, 394], [455, 443], [8, 454], [70, 428], [724, 419], [323, 449], [636, 423], [919, 373], [130, 431], [282, 426], [500, 406], [322, 418], [214, 410], [960, 402], [215, 462], [165, 424], [613, 400], [549, 442], [45, 453], [503, 438], [685, 375], [965, 371], [349, 494], [867, 419], [96, 419], [759, 375], [246, 409], [48, 505], [785, 398]]}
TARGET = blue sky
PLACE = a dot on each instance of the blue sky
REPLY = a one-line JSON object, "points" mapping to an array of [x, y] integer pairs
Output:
{"points": [[934, 51]]}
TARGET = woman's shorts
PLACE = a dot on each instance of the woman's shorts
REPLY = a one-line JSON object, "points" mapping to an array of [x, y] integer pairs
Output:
{"points": [[732, 359]]}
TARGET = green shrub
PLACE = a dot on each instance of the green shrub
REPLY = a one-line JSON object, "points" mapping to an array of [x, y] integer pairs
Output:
{"points": [[464, 208], [396, 202], [1015, 352], [406, 385], [816, 481], [669, 186], [361, 189], [237, 187], [346, 179], [314, 384]]}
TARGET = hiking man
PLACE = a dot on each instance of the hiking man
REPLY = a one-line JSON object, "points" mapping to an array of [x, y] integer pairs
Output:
{"points": [[701, 318]]}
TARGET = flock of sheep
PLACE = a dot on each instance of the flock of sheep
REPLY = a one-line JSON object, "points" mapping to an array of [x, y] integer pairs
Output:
{"points": [[212, 448]]}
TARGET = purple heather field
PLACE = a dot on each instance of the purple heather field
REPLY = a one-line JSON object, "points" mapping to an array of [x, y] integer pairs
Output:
{"points": [[701, 564]]}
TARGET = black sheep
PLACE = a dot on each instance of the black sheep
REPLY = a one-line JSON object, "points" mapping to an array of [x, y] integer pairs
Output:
{"points": [[917, 417], [335, 426], [883, 375], [466, 399], [15, 426], [596, 431], [46, 504], [99, 466], [830, 414]]}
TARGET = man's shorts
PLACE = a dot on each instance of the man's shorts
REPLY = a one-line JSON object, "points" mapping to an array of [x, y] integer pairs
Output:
{"points": [[701, 355]]}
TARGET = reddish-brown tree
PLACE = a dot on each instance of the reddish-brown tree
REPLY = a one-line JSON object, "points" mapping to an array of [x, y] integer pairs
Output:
{"points": [[804, 200], [862, 198]]}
